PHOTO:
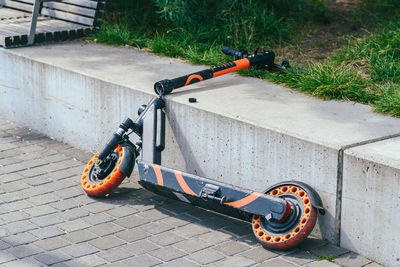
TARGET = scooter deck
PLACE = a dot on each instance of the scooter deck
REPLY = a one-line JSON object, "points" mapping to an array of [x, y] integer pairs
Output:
{"points": [[228, 199]]}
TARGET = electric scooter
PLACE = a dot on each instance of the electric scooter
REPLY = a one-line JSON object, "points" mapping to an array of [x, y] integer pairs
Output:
{"points": [[281, 217]]}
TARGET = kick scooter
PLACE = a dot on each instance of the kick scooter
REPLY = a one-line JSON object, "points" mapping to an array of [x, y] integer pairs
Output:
{"points": [[281, 217]]}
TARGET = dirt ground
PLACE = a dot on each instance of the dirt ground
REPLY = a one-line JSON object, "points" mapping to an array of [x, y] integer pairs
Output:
{"points": [[319, 41]]}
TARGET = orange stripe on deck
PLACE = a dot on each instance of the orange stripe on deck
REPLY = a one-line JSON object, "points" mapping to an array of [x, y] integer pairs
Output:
{"points": [[183, 184], [240, 64], [160, 180], [244, 201], [194, 76]]}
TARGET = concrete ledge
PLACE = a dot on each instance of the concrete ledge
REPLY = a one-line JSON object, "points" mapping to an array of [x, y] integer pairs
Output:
{"points": [[242, 131], [371, 201]]}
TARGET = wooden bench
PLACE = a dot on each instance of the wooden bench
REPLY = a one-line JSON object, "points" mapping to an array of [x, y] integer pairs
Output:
{"points": [[24, 22]]}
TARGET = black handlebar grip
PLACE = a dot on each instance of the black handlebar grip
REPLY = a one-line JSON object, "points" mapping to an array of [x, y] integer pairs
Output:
{"points": [[233, 52]]}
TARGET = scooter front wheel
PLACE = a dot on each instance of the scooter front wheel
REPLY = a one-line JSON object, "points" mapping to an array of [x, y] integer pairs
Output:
{"points": [[101, 180], [295, 229]]}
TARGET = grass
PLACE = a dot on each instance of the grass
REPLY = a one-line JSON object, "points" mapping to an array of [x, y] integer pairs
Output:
{"points": [[366, 69], [321, 258]]}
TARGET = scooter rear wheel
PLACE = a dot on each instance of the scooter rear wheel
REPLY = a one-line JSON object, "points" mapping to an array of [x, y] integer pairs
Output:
{"points": [[101, 180], [295, 229]]}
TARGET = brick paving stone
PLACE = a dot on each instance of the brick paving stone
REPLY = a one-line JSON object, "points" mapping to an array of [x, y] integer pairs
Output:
{"points": [[122, 211], [276, 263], [215, 237], [98, 218], [132, 235], [3, 232], [5, 178], [107, 242], [141, 247], [191, 230], [20, 239], [329, 251], [206, 256], [48, 231], [97, 207], [373, 264], [46, 220], [180, 262], [6, 256], [351, 259], [37, 180], [117, 264], [238, 229], [60, 184], [154, 214], [37, 190], [312, 242], [24, 251], [79, 236], [259, 254], [106, 229], [231, 248], [116, 254], [73, 214], [14, 216], [165, 239], [40, 211], [131, 221], [301, 257], [177, 207], [52, 257], [142, 261], [74, 225], [88, 260], [14, 206], [176, 221], [12, 197], [238, 261], [3, 245], [44, 199], [26, 262], [192, 245], [167, 253], [156, 227], [79, 250], [32, 172], [323, 263], [13, 186], [19, 227], [69, 192], [52, 243]]}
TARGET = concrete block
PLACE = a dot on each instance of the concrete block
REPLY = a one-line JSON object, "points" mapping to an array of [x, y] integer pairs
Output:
{"points": [[242, 131], [371, 201]]}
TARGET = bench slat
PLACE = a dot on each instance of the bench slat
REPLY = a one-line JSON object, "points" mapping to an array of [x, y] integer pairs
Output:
{"points": [[71, 8], [67, 16], [17, 5], [82, 3], [7, 13]]}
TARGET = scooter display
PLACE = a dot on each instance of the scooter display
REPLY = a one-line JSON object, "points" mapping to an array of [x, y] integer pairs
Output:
{"points": [[281, 216]]}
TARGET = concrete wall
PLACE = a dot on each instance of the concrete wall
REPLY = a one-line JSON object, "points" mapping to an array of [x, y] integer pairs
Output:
{"points": [[242, 131], [371, 201]]}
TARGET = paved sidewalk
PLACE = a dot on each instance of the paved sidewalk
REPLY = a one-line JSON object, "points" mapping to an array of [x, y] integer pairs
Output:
{"points": [[46, 219]]}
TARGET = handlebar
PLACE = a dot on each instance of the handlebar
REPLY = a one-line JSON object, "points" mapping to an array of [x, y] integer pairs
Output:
{"points": [[264, 59]]}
